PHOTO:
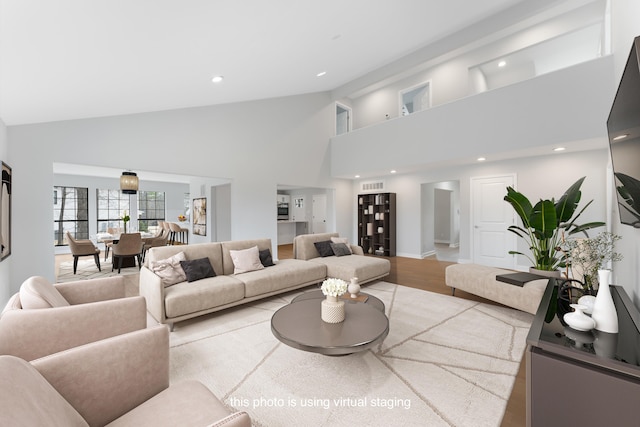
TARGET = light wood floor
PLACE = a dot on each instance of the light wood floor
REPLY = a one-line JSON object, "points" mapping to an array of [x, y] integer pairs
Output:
{"points": [[428, 274]]}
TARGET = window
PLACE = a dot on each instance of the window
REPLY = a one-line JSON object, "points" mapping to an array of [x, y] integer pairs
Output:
{"points": [[415, 99], [150, 210], [70, 213], [111, 207]]}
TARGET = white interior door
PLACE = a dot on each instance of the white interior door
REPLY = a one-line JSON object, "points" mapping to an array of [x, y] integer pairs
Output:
{"points": [[297, 209], [319, 224], [491, 217]]}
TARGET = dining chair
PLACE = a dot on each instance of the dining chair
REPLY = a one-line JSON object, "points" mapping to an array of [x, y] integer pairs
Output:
{"points": [[179, 233], [83, 247], [152, 242], [129, 246]]}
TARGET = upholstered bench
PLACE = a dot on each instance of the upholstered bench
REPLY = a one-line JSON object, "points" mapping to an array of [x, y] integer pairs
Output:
{"points": [[481, 280]]}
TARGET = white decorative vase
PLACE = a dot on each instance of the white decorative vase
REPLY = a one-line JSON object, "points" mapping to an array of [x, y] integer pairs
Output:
{"points": [[354, 287], [332, 310], [578, 320], [604, 310]]}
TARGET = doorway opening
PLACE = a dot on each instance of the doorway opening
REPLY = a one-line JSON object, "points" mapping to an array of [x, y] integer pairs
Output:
{"points": [[440, 220], [415, 98], [343, 119]]}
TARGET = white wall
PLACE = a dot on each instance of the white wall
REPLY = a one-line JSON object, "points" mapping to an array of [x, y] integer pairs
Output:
{"points": [[537, 177], [254, 145], [450, 75], [6, 290]]}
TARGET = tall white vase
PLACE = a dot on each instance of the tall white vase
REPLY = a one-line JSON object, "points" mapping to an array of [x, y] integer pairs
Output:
{"points": [[604, 310]]}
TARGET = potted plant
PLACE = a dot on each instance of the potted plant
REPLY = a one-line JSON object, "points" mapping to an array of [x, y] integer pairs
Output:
{"points": [[586, 256], [545, 224]]}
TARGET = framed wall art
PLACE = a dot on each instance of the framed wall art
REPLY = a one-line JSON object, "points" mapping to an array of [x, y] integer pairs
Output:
{"points": [[199, 216], [5, 212]]}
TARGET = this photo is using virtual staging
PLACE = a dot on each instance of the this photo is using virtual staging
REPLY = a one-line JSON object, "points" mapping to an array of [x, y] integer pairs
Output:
{"points": [[411, 213]]}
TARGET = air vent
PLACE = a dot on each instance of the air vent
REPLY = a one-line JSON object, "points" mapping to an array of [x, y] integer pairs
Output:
{"points": [[372, 186]]}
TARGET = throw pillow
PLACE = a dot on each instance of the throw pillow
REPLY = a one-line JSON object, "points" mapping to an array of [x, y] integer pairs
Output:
{"points": [[324, 248], [37, 292], [342, 240], [340, 249], [197, 269], [246, 260], [169, 270], [265, 258]]}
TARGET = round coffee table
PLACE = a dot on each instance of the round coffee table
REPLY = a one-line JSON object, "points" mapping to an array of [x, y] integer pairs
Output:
{"points": [[300, 326], [370, 299]]}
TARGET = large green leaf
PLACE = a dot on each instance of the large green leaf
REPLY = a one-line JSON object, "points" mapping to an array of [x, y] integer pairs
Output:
{"points": [[568, 203], [543, 219], [630, 192], [520, 204]]}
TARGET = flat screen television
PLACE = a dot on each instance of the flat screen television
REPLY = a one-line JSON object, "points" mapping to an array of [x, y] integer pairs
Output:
{"points": [[623, 127]]}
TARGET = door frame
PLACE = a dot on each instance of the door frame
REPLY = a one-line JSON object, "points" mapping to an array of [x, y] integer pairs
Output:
{"points": [[472, 201], [349, 111]]}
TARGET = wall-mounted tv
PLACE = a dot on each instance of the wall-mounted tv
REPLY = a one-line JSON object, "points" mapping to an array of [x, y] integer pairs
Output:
{"points": [[623, 126]]}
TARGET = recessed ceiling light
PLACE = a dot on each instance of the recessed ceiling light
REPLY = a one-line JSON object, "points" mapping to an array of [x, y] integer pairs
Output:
{"points": [[217, 79], [481, 159], [321, 73], [619, 137], [357, 176], [393, 171], [559, 149], [502, 63]]}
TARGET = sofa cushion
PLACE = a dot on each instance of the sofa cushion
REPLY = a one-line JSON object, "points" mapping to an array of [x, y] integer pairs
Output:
{"points": [[342, 240], [246, 260], [238, 245], [192, 297], [340, 249], [324, 248], [37, 292], [286, 273], [265, 258], [197, 269], [212, 250], [365, 268], [169, 269], [33, 401], [303, 245]]}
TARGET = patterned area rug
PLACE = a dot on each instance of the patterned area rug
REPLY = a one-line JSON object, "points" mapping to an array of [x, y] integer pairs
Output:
{"points": [[87, 269], [446, 362]]}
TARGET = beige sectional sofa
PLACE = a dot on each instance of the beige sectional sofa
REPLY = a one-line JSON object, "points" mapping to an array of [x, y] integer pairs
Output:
{"points": [[185, 300], [365, 268]]}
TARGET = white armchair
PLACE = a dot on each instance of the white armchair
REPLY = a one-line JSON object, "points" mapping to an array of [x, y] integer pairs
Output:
{"points": [[43, 319]]}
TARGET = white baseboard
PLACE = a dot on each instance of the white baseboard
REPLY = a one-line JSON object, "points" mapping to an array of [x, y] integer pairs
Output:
{"points": [[427, 254]]}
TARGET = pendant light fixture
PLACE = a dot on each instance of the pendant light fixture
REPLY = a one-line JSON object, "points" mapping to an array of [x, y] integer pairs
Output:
{"points": [[129, 182]]}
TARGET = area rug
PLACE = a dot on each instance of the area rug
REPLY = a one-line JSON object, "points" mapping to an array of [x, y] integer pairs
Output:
{"points": [[446, 362], [87, 269]]}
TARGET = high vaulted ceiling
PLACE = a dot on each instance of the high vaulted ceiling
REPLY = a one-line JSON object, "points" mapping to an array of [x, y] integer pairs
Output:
{"points": [[70, 59]]}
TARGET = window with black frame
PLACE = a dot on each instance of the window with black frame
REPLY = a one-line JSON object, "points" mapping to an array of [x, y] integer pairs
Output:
{"points": [[70, 213], [151, 209], [112, 205]]}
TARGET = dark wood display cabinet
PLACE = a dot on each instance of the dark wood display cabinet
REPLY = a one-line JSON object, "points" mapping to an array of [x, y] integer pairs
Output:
{"points": [[377, 223], [583, 378]]}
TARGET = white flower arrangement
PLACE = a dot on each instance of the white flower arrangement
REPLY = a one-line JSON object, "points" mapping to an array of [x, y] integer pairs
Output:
{"points": [[334, 287]]}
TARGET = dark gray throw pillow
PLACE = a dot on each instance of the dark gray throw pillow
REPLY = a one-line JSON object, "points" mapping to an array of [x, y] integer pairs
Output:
{"points": [[340, 249], [324, 248], [265, 258], [197, 269]]}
